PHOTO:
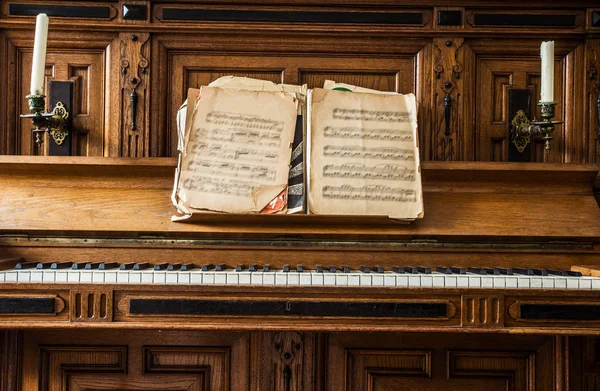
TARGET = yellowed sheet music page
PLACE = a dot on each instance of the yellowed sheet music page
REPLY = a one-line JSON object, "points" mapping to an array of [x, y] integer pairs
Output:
{"points": [[237, 150], [363, 155]]}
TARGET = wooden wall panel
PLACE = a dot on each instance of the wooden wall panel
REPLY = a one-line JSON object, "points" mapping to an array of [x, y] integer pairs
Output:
{"points": [[86, 62], [135, 360], [438, 362]]}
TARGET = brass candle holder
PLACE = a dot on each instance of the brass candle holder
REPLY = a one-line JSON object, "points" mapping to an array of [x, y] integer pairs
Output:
{"points": [[56, 123], [523, 130]]}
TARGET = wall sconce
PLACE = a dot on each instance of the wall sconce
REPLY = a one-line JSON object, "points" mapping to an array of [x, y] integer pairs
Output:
{"points": [[523, 130], [56, 123]]}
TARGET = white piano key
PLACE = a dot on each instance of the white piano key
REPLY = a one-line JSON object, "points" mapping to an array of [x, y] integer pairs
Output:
{"points": [[389, 279], [377, 279], [97, 277], [560, 283], [160, 277], [196, 278], [427, 281], [329, 279], [37, 276], [208, 278], [135, 278], [171, 278], [147, 277], [585, 283], [221, 278], [341, 279], [353, 279], [110, 277], [523, 282], [269, 278], [233, 278], [535, 282], [414, 281], [256, 278], [183, 278], [281, 278], [317, 279], [11, 277], [366, 279], [512, 282], [451, 281], [402, 280], [244, 278], [548, 282], [73, 276], [85, 277], [474, 281], [23, 276], [573, 283], [487, 281], [438, 281], [462, 281], [293, 278], [61, 276], [305, 278], [499, 282]]}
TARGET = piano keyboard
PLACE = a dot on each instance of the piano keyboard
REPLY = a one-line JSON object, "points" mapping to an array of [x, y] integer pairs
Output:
{"points": [[377, 276]]}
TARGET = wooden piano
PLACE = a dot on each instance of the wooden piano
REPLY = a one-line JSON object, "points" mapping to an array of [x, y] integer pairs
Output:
{"points": [[100, 290]]}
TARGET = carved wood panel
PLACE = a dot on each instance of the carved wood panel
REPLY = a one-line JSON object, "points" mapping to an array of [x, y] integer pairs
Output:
{"points": [[135, 360], [86, 62], [440, 362], [188, 66]]}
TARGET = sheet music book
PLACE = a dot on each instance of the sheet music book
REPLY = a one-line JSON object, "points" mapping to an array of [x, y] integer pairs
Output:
{"points": [[362, 153], [236, 152], [296, 199]]}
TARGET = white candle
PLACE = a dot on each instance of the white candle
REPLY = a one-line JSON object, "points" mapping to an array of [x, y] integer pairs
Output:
{"points": [[547, 54], [39, 55]]}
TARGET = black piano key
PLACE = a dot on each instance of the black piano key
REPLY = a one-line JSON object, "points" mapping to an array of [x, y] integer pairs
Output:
{"points": [[108, 266], [220, 267], [476, 270], [60, 265], [127, 266], [346, 269], [332, 269], [458, 270], [562, 273], [252, 268], [161, 266], [239, 268], [141, 266], [92, 266], [443, 269], [365, 269], [266, 268], [505, 271], [207, 267], [491, 271], [299, 268], [424, 270], [26, 265], [173, 267], [186, 267], [319, 269], [523, 271], [286, 268], [398, 269]]}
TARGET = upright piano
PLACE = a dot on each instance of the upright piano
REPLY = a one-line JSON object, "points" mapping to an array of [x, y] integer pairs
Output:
{"points": [[495, 288]]}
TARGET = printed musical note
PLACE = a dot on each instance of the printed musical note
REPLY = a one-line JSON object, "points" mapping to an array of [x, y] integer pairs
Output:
{"points": [[361, 152]]}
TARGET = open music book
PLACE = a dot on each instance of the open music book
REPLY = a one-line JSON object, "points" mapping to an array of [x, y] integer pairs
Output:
{"points": [[362, 153]]}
